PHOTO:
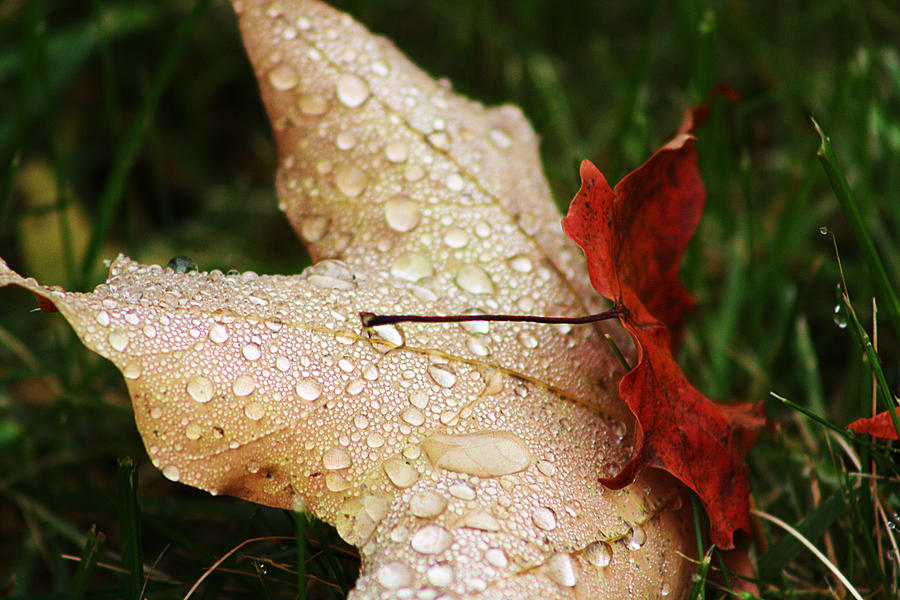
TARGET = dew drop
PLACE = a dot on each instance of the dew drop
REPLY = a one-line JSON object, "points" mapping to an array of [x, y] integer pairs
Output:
{"points": [[474, 280], [346, 140], [455, 182], [840, 316], [336, 458], [312, 104], [193, 431], [335, 482], [520, 263], [132, 370], [314, 228], [350, 180], [330, 275], [477, 347], [418, 398], [462, 490], [561, 568], [283, 77], [484, 453], [635, 538], [283, 364], [440, 575], [431, 539], [456, 237], [413, 416], [355, 387], [251, 351], [598, 554], [171, 472], [496, 557], [401, 213], [218, 333], [499, 138], [308, 389], [546, 468], [254, 411], [102, 318], [397, 151], [442, 376], [243, 385], [412, 266], [665, 589], [413, 172], [544, 518], [427, 504], [390, 333], [375, 440], [352, 90], [118, 340], [401, 473], [380, 68], [149, 331], [394, 575], [200, 388], [527, 339]]}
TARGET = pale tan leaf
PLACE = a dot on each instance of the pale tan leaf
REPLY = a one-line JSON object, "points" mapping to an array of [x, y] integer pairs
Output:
{"points": [[393, 171], [463, 459]]}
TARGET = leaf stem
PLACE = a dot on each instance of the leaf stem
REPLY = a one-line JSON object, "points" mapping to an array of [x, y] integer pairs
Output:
{"points": [[372, 320]]}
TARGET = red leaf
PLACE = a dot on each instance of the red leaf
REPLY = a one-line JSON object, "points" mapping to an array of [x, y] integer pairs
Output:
{"points": [[880, 426], [633, 238]]}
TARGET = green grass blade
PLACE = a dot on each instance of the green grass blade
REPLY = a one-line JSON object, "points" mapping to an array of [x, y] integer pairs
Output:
{"points": [[302, 525], [130, 528], [809, 363], [89, 557], [133, 139], [818, 554], [787, 547], [854, 219]]}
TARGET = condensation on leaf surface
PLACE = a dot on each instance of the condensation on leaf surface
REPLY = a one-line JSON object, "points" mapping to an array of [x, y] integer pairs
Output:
{"points": [[464, 460]]}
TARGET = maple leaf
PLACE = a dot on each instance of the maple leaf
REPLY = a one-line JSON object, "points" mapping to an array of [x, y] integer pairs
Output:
{"points": [[463, 460], [633, 237], [880, 426]]}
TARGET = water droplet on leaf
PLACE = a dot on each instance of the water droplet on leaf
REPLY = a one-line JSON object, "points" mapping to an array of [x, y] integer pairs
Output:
{"points": [[200, 388], [352, 90], [431, 539], [350, 180], [474, 280], [308, 389], [283, 77], [312, 104], [402, 214]]}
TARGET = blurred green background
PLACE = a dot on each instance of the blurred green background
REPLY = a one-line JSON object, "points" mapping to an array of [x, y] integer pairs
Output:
{"points": [[136, 127]]}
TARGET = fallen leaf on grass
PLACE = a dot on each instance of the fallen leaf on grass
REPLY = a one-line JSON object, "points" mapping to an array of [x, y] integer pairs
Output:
{"points": [[462, 460], [633, 237]]}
